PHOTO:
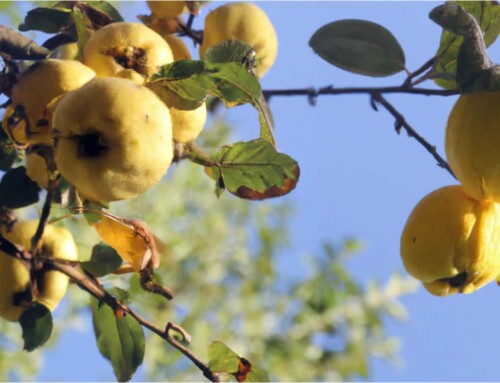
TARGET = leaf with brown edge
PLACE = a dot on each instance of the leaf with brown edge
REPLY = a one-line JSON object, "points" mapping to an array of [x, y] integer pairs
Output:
{"points": [[273, 191], [255, 170], [132, 239], [224, 360]]}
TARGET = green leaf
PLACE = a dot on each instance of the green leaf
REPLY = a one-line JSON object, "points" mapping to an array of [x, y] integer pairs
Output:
{"points": [[233, 83], [222, 359], [189, 79], [257, 374], [359, 46], [255, 170], [36, 323], [119, 339], [19, 47], [230, 82], [488, 15], [48, 20], [83, 28], [103, 261], [17, 189], [108, 9], [229, 51]]}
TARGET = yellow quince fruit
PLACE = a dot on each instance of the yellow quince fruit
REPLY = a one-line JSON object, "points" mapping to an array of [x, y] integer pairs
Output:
{"points": [[113, 139], [58, 243], [65, 52], [37, 86], [472, 139], [245, 22], [126, 45], [451, 242], [14, 125], [179, 48], [188, 117], [36, 169], [167, 9]]}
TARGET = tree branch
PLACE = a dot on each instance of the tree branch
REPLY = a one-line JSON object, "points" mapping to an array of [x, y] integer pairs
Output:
{"points": [[376, 96], [48, 155], [401, 123], [93, 287], [330, 90]]}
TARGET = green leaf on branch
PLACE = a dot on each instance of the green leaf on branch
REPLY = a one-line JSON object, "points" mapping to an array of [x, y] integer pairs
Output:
{"points": [[103, 261], [83, 27], [359, 46], [48, 20], [254, 170], [487, 14], [108, 9], [120, 339], [229, 51], [36, 323], [224, 360], [17, 189], [19, 47], [229, 81]]}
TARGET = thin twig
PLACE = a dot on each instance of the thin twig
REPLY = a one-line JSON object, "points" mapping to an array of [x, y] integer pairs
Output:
{"points": [[408, 83], [330, 90], [376, 96], [48, 156], [93, 287], [401, 123], [196, 36]]}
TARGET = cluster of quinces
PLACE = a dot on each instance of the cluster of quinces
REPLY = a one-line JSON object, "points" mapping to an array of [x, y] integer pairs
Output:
{"points": [[110, 135]]}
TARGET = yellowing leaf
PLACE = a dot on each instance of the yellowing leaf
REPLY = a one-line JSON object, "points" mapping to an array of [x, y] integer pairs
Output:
{"points": [[132, 240]]}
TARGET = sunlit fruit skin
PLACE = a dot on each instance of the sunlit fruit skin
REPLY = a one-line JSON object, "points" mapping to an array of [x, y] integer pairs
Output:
{"points": [[168, 9], [14, 280], [451, 242], [15, 126], [41, 83], [65, 52], [57, 242], [114, 139], [472, 142], [245, 22], [36, 169], [126, 45], [179, 49], [188, 118]]}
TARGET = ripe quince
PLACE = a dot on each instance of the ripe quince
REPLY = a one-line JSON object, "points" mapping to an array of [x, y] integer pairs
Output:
{"points": [[40, 84], [14, 125], [113, 139], [58, 243], [36, 169], [126, 45], [245, 22], [451, 242], [179, 48], [472, 140], [167, 9], [65, 52], [188, 118]]}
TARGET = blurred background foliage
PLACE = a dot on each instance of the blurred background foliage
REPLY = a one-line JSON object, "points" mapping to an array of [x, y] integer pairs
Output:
{"points": [[226, 261]]}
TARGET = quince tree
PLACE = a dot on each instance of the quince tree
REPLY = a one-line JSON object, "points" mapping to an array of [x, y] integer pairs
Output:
{"points": [[99, 113]]}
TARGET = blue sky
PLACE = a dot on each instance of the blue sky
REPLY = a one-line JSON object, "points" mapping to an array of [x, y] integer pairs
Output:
{"points": [[359, 178]]}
